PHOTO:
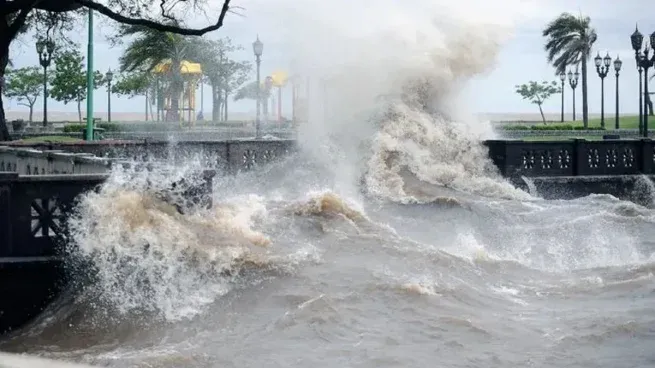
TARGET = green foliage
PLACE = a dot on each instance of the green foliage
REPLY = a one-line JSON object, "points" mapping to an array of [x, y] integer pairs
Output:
{"points": [[49, 139], [77, 128], [249, 91], [536, 92], [69, 81], [549, 127], [236, 73], [221, 71], [24, 85], [132, 84], [150, 47], [569, 40]]}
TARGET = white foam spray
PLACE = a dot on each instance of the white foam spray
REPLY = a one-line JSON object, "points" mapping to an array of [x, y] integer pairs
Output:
{"points": [[150, 258], [384, 79]]}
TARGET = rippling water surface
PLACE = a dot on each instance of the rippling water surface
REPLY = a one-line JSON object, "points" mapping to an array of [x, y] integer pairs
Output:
{"points": [[389, 240], [291, 277]]}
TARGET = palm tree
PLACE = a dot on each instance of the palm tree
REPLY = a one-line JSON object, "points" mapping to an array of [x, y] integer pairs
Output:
{"points": [[150, 48], [249, 91], [569, 40]]}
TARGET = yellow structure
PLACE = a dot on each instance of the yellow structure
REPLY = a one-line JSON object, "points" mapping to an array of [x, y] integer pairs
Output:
{"points": [[191, 73], [280, 78], [299, 100]]}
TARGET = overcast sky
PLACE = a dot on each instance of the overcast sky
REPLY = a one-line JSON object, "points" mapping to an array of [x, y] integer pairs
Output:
{"points": [[521, 57]]}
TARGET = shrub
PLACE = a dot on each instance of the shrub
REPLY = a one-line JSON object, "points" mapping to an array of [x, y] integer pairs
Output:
{"points": [[18, 125], [78, 128], [548, 127]]}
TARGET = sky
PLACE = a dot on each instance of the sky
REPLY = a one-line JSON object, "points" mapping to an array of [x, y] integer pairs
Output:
{"points": [[521, 57]]}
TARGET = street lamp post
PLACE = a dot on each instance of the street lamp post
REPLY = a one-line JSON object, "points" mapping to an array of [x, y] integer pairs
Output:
{"points": [[645, 61], [617, 69], [109, 76], [258, 49], [45, 49], [562, 78], [573, 82], [641, 106], [602, 68]]}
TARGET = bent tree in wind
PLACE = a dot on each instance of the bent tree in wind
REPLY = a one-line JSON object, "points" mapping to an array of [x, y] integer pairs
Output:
{"points": [[538, 93], [569, 40], [19, 16]]}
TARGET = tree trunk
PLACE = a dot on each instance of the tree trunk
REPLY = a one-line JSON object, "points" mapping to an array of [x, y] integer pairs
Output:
{"points": [[79, 109], [31, 112], [152, 115], [177, 85], [542, 114], [649, 101], [219, 98], [4, 60], [585, 105], [227, 94], [216, 105]]}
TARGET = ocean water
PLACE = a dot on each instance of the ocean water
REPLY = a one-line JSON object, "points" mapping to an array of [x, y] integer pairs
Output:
{"points": [[388, 240]]}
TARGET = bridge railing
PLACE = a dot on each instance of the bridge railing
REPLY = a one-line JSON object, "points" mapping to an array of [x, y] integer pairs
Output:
{"points": [[27, 161], [576, 157], [232, 156]]}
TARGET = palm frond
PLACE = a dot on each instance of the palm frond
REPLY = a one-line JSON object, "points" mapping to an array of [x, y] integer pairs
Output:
{"points": [[569, 38], [150, 48]]}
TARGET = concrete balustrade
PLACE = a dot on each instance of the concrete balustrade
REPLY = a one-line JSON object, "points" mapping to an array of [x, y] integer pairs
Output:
{"points": [[27, 161]]}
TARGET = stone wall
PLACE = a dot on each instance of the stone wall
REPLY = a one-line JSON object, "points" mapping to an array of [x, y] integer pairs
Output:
{"points": [[98, 157]]}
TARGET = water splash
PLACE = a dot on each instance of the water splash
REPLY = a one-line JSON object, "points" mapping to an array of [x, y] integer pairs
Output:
{"points": [[382, 80], [150, 258]]}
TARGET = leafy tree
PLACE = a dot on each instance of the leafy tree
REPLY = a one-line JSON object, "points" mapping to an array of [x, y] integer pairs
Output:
{"points": [[150, 48], [224, 74], [133, 84], [569, 40], [537, 93], [69, 80], [19, 16], [236, 74], [24, 85], [249, 91]]}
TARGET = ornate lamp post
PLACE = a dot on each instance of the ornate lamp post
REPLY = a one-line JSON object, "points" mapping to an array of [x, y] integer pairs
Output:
{"points": [[109, 76], [45, 49], [617, 69], [573, 82], [562, 78], [602, 68], [258, 49], [644, 61]]}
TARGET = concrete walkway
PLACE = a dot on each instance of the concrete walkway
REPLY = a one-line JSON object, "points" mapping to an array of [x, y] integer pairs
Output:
{"points": [[26, 361]]}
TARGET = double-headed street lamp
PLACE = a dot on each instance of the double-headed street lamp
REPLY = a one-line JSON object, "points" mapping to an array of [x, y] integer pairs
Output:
{"points": [[45, 49], [644, 61], [109, 76], [562, 78], [573, 82], [617, 69], [602, 68], [258, 49]]}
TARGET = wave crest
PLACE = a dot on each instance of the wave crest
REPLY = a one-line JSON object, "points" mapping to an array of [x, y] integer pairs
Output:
{"points": [[148, 257]]}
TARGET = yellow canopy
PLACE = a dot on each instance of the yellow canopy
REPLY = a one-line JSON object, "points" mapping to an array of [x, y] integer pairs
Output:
{"points": [[279, 78], [186, 67]]}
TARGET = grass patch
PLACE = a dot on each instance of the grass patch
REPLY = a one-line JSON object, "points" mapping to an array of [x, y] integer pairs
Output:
{"points": [[625, 122], [49, 139], [561, 138]]}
